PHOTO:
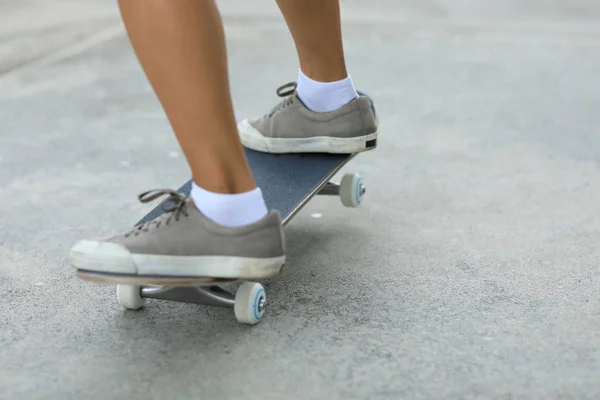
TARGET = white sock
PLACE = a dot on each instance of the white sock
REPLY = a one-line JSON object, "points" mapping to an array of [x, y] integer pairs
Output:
{"points": [[325, 96], [230, 209]]}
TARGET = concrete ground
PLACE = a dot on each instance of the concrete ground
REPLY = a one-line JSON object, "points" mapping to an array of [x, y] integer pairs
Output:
{"points": [[470, 272]]}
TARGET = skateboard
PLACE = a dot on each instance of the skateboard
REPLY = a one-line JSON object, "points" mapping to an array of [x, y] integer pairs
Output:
{"points": [[288, 183]]}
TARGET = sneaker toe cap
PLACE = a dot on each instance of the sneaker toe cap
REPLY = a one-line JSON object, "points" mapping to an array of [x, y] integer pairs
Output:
{"points": [[100, 256]]}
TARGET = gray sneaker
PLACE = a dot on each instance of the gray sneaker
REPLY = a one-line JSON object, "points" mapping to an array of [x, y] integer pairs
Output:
{"points": [[182, 245], [292, 128]]}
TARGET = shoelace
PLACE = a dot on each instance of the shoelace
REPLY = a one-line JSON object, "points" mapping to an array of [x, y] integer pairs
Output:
{"points": [[285, 91], [173, 206]]}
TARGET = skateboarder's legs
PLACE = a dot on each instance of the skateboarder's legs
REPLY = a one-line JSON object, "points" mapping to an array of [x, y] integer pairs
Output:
{"points": [[225, 229]]}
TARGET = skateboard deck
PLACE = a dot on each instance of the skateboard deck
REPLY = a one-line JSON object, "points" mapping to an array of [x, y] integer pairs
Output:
{"points": [[288, 182]]}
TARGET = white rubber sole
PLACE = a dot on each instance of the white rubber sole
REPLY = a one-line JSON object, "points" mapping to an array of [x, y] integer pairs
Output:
{"points": [[111, 258], [253, 139]]}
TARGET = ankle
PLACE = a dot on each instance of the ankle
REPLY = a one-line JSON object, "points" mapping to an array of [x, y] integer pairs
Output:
{"points": [[319, 96], [226, 177], [231, 210], [225, 185], [324, 73]]}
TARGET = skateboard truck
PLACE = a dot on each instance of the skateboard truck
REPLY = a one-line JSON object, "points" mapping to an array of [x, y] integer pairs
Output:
{"points": [[250, 301], [207, 295]]}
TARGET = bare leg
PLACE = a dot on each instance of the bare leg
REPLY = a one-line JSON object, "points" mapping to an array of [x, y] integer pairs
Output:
{"points": [[181, 47], [316, 28]]}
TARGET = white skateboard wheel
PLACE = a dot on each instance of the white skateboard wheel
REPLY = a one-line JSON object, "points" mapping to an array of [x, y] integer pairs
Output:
{"points": [[250, 303], [352, 190], [130, 297]]}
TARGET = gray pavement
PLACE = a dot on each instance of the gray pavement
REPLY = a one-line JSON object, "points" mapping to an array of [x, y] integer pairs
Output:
{"points": [[470, 272]]}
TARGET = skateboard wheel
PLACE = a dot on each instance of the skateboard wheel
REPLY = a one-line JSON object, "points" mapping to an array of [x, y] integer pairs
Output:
{"points": [[130, 297], [352, 190], [250, 303]]}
